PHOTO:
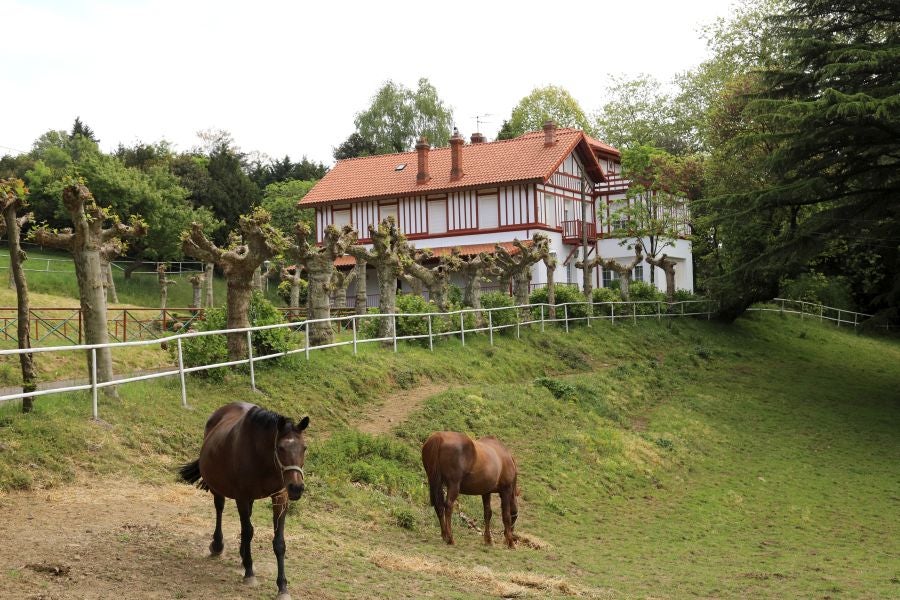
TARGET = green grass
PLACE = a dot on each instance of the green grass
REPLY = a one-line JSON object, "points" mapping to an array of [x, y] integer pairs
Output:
{"points": [[666, 460]]}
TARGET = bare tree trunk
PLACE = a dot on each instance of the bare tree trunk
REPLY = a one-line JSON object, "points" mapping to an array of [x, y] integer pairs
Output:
{"points": [[164, 283], [551, 286], [258, 280], [111, 294], [362, 300], [210, 272], [16, 258], [240, 290], [131, 267], [317, 299], [89, 271], [389, 247], [295, 295], [196, 289], [668, 267], [387, 297]]}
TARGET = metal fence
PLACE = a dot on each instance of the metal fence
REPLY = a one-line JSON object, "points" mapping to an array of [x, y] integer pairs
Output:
{"points": [[436, 325], [811, 310]]}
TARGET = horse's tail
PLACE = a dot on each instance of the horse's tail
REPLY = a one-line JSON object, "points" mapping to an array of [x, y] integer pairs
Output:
{"points": [[190, 473], [431, 461]]}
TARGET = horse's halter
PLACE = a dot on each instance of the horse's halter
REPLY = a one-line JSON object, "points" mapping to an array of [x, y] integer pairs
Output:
{"points": [[286, 468]]}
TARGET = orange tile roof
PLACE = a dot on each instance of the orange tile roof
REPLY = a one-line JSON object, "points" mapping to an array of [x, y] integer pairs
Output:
{"points": [[602, 146], [524, 158], [466, 250]]}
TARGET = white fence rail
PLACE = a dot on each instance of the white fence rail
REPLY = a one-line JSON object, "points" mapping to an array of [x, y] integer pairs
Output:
{"points": [[810, 310], [489, 320]]}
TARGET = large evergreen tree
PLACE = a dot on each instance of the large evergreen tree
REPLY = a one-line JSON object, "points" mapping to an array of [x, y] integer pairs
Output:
{"points": [[827, 114]]}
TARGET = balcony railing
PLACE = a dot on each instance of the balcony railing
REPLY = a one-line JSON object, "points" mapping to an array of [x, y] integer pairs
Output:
{"points": [[573, 231]]}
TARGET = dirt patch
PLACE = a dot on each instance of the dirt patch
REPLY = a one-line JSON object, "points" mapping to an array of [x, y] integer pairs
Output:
{"points": [[500, 584], [397, 407], [118, 538]]}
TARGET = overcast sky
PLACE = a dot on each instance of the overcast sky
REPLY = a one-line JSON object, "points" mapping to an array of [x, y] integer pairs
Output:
{"points": [[288, 77]]}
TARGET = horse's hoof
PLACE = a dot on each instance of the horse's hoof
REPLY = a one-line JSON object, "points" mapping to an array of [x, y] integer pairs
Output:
{"points": [[283, 596], [215, 551], [250, 581]]}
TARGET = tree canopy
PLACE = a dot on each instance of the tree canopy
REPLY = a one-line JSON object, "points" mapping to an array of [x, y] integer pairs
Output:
{"points": [[395, 119], [549, 102]]}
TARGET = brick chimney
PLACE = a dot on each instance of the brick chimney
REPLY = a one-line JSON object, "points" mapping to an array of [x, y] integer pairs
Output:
{"points": [[478, 138], [422, 148], [456, 146], [549, 133]]}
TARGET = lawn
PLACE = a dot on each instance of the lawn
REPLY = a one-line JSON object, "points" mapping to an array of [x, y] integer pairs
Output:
{"points": [[666, 460]]}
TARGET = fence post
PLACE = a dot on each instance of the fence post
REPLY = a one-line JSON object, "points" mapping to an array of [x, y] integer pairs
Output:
{"points": [[94, 383], [250, 359], [124, 324], [566, 312], [782, 306], [801, 310], [394, 329], [181, 376], [542, 318], [839, 317], [658, 311], [612, 312], [854, 320], [430, 338], [491, 326], [634, 313], [353, 320], [462, 329], [306, 331], [519, 326], [821, 313]]}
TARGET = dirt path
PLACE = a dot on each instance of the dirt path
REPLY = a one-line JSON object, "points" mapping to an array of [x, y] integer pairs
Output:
{"points": [[397, 408]]}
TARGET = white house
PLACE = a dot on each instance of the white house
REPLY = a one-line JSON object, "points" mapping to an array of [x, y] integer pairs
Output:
{"points": [[473, 196]]}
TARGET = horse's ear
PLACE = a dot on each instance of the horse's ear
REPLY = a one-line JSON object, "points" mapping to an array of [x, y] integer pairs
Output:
{"points": [[282, 423], [303, 424]]}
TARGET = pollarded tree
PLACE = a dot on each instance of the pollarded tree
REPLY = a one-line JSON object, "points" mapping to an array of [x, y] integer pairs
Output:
{"points": [[340, 281], [435, 279], [319, 264], [362, 300], [474, 271], [197, 289], [13, 199], [625, 271], [668, 267], [516, 266], [550, 263], [90, 244], [291, 274], [208, 278], [388, 248], [164, 283], [261, 241]]}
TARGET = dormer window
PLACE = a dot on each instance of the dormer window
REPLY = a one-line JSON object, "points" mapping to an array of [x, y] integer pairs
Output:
{"points": [[400, 167]]}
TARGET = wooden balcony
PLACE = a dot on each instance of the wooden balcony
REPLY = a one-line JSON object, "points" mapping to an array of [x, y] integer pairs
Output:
{"points": [[573, 231]]}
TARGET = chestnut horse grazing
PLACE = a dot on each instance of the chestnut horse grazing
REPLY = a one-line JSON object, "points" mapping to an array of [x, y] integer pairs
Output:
{"points": [[251, 453], [474, 467]]}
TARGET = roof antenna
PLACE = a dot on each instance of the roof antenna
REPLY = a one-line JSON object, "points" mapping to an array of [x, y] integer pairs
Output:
{"points": [[480, 120]]}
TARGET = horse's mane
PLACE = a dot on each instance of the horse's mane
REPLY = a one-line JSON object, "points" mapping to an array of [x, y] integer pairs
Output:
{"points": [[267, 419]]}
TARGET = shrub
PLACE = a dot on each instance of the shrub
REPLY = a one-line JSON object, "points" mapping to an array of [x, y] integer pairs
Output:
{"points": [[454, 296], [563, 294], [605, 295], [367, 328], [284, 292], [641, 291], [560, 389], [499, 300], [209, 349], [412, 303]]}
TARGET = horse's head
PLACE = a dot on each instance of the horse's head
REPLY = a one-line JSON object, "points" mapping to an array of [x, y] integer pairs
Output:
{"points": [[290, 454]]}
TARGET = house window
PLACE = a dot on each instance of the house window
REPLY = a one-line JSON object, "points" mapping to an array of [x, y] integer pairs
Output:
{"points": [[341, 218], [638, 274], [488, 218], [550, 209], [437, 216], [609, 276], [388, 210]]}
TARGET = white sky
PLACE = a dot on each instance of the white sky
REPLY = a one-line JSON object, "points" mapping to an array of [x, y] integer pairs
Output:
{"points": [[288, 77]]}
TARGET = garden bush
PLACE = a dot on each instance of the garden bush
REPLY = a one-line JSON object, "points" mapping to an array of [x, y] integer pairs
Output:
{"points": [[563, 294], [605, 295], [209, 349], [284, 292], [499, 300]]}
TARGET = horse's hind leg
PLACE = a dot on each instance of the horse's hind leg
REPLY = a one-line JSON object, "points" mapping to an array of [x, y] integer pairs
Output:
{"points": [[452, 495], [245, 509], [507, 501], [486, 501], [216, 547]]}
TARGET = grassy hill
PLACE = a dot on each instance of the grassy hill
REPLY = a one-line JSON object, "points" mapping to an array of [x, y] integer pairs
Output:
{"points": [[665, 460]]}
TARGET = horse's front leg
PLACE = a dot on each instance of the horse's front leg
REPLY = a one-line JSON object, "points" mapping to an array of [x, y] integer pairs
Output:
{"points": [[216, 546], [245, 510], [279, 513], [507, 502], [486, 501]]}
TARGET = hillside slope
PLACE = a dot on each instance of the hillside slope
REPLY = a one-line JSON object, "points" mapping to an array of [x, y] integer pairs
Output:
{"points": [[664, 460]]}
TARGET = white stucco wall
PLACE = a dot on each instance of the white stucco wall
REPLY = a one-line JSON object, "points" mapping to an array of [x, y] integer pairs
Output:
{"points": [[680, 251]]}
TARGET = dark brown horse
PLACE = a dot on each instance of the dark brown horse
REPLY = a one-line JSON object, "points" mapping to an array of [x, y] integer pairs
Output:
{"points": [[475, 467], [250, 453]]}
